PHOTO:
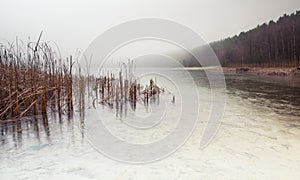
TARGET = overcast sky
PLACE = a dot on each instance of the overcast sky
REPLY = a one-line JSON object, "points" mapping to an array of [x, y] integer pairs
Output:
{"points": [[76, 23]]}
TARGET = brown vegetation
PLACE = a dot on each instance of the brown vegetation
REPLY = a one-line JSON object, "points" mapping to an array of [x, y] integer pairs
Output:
{"points": [[111, 90], [33, 80]]}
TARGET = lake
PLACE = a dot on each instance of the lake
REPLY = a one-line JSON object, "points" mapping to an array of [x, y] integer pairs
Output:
{"points": [[258, 137]]}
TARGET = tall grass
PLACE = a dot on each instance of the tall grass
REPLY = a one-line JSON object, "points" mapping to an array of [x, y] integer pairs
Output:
{"points": [[33, 80], [114, 89]]}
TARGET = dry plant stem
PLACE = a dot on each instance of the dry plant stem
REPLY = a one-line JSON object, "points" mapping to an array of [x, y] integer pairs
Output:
{"points": [[33, 80]]}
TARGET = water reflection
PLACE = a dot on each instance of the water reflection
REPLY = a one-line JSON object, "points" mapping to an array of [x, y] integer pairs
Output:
{"points": [[35, 130], [282, 95], [279, 94]]}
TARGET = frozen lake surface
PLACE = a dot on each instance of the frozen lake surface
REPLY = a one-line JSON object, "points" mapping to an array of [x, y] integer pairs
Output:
{"points": [[259, 138]]}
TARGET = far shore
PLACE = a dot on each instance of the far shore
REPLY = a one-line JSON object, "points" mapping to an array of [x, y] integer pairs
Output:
{"points": [[269, 71]]}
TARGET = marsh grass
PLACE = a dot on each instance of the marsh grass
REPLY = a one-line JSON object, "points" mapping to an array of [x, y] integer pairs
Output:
{"points": [[115, 89], [34, 80]]}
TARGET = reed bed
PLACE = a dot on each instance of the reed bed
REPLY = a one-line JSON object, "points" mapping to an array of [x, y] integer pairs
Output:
{"points": [[33, 81], [113, 89]]}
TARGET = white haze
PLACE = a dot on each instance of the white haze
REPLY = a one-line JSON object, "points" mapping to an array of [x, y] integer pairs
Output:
{"points": [[76, 23]]}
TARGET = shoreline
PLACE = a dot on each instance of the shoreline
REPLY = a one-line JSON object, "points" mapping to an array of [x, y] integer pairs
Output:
{"points": [[270, 71]]}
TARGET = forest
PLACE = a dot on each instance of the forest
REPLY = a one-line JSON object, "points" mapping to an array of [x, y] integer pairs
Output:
{"points": [[276, 44]]}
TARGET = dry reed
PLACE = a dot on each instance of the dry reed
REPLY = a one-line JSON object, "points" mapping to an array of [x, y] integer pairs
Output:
{"points": [[33, 80]]}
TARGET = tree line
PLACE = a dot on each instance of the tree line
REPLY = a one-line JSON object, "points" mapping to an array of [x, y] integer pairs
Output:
{"points": [[267, 45]]}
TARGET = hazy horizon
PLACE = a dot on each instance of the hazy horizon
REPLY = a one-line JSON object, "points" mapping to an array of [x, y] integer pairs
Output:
{"points": [[75, 24]]}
